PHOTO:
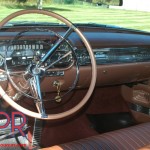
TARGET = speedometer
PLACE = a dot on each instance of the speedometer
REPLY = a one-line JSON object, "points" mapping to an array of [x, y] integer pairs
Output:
{"points": [[23, 53]]}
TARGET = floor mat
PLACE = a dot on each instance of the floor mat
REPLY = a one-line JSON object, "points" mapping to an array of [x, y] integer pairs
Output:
{"points": [[108, 122], [66, 131]]}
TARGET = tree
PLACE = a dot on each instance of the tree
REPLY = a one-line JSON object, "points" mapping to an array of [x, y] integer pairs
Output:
{"points": [[39, 4]]}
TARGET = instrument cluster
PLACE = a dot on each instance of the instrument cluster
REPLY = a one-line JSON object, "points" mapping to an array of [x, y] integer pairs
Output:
{"points": [[25, 52]]}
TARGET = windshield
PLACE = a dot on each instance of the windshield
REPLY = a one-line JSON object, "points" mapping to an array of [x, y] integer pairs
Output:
{"points": [[82, 12]]}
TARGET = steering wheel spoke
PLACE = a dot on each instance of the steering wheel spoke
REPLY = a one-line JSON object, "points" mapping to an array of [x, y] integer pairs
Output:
{"points": [[19, 81], [36, 93], [41, 109]]}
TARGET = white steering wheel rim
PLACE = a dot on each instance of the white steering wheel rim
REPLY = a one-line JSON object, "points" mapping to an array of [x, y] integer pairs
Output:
{"points": [[93, 69]]}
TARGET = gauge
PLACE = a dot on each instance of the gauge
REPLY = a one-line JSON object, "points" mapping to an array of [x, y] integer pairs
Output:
{"points": [[64, 47]]}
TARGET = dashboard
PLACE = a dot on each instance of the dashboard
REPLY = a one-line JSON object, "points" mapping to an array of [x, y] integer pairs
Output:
{"points": [[112, 50], [25, 51]]}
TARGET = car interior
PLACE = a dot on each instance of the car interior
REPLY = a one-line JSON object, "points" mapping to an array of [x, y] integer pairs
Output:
{"points": [[80, 86]]}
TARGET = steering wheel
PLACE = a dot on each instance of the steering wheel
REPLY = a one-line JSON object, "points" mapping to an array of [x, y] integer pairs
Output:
{"points": [[36, 70]]}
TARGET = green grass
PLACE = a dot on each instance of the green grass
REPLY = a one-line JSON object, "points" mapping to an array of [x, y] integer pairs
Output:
{"points": [[86, 13]]}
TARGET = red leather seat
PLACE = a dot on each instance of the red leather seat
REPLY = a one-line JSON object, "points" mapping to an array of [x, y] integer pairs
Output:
{"points": [[131, 138]]}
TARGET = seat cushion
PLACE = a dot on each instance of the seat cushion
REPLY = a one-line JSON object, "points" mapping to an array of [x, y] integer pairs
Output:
{"points": [[131, 138]]}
